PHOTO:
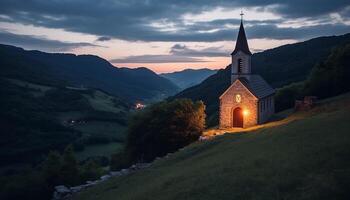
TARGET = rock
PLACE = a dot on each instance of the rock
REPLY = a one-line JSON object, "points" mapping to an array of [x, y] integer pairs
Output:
{"points": [[64, 193], [62, 189], [76, 189], [105, 177], [157, 158], [116, 173], [61, 193], [125, 171]]}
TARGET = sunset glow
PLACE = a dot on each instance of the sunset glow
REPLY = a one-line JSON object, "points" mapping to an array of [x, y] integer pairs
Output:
{"points": [[165, 37]]}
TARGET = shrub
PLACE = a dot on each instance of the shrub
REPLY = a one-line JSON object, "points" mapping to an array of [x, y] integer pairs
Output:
{"points": [[331, 77], [286, 96], [164, 127]]}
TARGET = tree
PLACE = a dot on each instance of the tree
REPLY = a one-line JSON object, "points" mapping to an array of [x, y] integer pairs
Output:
{"points": [[91, 170], [331, 77], [164, 127], [69, 170], [52, 169]]}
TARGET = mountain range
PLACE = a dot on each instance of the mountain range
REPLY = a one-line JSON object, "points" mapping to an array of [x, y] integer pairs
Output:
{"points": [[189, 77], [89, 71]]}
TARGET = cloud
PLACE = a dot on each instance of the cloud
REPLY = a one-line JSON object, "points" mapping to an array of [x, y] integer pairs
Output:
{"points": [[135, 20], [183, 50], [34, 42], [157, 59], [178, 54], [103, 38]]}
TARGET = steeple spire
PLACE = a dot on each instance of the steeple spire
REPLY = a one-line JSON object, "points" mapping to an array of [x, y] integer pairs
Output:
{"points": [[241, 16], [241, 43]]}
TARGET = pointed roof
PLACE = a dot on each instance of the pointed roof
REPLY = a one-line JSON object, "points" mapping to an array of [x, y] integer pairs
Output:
{"points": [[241, 43], [256, 85]]}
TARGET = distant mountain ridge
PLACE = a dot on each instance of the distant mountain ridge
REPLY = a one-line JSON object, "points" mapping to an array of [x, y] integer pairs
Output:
{"points": [[84, 70], [278, 66], [188, 77]]}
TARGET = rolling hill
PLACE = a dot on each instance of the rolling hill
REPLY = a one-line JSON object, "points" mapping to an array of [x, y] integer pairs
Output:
{"points": [[305, 157], [38, 118], [279, 66], [83, 70], [188, 77]]}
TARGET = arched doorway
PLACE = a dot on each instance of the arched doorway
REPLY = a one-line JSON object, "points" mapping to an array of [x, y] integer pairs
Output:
{"points": [[237, 118]]}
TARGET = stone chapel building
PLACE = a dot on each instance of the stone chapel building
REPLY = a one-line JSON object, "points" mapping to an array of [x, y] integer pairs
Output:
{"points": [[249, 100]]}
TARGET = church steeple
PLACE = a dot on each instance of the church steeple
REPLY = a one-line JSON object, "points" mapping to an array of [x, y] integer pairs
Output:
{"points": [[241, 56], [241, 42]]}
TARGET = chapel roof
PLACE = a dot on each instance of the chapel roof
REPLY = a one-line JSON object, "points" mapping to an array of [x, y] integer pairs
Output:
{"points": [[241, 42], [257, 85]]}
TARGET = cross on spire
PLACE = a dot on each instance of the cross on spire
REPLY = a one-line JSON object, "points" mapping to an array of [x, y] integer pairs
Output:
{"points": [[241, 15]]}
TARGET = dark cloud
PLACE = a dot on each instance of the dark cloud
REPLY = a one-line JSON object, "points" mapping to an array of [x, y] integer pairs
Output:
{"points": [[178, 53], [157, 59], [103, 38], [131, 19], [34, 42], [183, 50]]}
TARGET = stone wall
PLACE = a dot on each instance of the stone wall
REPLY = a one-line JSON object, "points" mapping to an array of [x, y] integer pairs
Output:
{"points": [[249, 103], [266, 108]]}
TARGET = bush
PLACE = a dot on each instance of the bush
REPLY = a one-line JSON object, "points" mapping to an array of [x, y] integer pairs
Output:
{"points": [[331, 77], [286, 96], [91, 170], [328, 78], [120, 160], [164, 127]]}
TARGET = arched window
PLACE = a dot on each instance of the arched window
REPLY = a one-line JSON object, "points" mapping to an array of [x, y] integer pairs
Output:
{"points": [[239, 66]]}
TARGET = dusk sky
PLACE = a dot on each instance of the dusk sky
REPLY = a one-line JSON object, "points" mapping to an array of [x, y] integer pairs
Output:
{"points": [[166, 35]]}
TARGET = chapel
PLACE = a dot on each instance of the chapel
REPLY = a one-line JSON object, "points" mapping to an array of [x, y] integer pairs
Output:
{"points": [[249, 100]]}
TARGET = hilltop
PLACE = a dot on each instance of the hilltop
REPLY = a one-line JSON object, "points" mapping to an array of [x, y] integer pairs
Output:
{"points": [[304, 157], [189, 77], [83, 70]]}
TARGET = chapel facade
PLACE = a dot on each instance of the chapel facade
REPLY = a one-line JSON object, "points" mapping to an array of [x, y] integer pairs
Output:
{"points": [[249, 100]]}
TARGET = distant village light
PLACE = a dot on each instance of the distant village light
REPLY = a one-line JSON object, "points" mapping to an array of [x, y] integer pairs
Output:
{"points": [[139, 106]]}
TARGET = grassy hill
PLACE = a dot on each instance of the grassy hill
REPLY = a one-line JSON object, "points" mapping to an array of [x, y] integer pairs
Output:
{"points": [[305, 157], [38, 118]]}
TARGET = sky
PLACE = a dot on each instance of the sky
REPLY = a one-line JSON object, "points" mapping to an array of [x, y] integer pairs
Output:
{"points": [[166, 35]]}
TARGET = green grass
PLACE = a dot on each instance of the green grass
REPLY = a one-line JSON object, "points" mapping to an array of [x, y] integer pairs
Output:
{"points": [[100, 150], [36, 89], [306, 158], [103, 102], [104, 118], [100, 128]]}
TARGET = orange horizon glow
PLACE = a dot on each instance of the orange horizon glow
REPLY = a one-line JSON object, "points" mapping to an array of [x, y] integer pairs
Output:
{"points": [[173, 67]]}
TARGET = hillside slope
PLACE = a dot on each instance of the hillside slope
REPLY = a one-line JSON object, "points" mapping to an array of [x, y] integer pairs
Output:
{"points": [[37, 118], [306, 158], [188, 77], [279, 66], [87, 70]]}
